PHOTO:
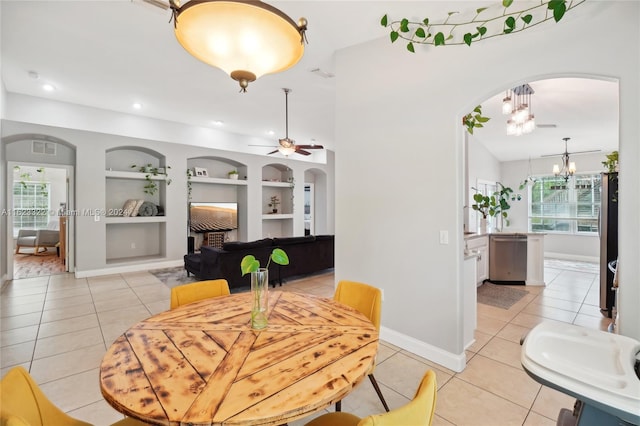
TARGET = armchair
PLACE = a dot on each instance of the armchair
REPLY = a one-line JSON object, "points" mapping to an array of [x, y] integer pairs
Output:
{"points": [[37, 238]]}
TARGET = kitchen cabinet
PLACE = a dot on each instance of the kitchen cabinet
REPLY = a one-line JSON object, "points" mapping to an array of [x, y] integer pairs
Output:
{"points": [[479, 244]]}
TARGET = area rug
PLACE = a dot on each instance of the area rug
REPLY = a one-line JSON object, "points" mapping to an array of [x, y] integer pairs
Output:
{"points": [[30, 265], [173, 276], [176, 276], [500, 296]]}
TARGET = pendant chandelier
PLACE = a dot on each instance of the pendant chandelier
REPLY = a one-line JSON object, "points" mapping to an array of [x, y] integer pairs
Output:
{"points": [[568, 168], [517, 104], [246, 39]]}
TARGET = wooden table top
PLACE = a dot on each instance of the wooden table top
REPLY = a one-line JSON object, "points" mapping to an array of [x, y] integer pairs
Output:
{"points": [[202, 364]]}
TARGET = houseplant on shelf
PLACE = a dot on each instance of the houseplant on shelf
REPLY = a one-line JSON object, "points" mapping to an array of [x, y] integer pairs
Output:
{"points": [[260, 284], [274, 204], [233, 174]]}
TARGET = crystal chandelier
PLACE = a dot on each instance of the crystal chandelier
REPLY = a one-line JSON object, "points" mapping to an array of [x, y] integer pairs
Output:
{"points": [[517, 104]]}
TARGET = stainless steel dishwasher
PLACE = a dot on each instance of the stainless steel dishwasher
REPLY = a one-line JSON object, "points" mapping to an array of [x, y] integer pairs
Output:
{"points": [[508, 258]]}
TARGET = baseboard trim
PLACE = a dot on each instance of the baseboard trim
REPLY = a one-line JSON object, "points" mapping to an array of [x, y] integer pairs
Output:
{"points": [[455, 362], [128, 268], [578, 258]]}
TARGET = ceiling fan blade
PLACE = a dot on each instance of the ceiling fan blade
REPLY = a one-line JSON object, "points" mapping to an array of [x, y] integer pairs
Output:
{"points": [[571, 153], [302, 151], [158, 3], [310, 146], [585, 152]]}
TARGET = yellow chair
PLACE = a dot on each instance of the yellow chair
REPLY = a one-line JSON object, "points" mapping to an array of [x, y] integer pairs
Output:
{"points": [[418, 412], [22, 403], [367, 300], [193, 292]]}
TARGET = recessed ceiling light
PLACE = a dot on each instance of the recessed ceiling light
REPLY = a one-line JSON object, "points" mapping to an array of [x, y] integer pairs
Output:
{"points": [[137, 105], [218, 123], [48, 87], [271, 132]]}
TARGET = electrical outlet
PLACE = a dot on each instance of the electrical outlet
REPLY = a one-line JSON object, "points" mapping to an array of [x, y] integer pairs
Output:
{"points": [[96, 218], [444, 237], [133, 245]]}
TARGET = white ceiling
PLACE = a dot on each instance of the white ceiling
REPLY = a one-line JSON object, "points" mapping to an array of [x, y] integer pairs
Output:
{"points": [[110, 54]]}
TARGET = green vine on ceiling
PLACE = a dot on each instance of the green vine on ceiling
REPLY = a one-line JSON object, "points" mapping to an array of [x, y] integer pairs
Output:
{"points": [[487, 22]]}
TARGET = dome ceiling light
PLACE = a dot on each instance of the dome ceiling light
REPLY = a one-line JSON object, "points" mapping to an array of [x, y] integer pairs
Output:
{"points": [[246, 39]]}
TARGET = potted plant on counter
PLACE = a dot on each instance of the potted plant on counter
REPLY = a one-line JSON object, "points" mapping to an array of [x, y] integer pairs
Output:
{"points": [[495, 205]]}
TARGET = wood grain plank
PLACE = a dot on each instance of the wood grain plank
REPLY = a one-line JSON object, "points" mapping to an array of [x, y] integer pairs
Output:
{"points": [[310, 394], [124, 384], [203, 352], [206, 404], [173, 378], [266, 382]]}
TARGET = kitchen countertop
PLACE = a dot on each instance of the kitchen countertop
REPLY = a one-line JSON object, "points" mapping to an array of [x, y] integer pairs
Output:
{"points": [[471, 235]]}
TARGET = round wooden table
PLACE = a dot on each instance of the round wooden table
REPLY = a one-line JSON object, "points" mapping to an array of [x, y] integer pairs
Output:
{"points": [[202, 364]]}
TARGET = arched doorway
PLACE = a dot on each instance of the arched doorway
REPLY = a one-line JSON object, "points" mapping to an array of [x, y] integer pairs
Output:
{"points": [[40, 237]]}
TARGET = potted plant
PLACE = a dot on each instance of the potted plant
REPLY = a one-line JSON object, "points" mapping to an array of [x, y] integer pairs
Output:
{"points": [[495, 205], [233, 174], [274, 204], [260, 284]]}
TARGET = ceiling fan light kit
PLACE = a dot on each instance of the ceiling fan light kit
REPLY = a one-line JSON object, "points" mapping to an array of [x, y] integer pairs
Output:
{"points": [[246, 39]]}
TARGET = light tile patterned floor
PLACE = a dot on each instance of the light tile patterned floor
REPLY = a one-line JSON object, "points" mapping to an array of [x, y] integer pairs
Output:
{"points": [[59, 327]]}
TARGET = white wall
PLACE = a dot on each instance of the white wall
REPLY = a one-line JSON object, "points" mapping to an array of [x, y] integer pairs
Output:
{"points": [[405, 113]]}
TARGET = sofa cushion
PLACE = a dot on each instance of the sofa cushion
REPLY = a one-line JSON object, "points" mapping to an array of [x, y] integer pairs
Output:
{"points": [[238, 245], [293, 240]]}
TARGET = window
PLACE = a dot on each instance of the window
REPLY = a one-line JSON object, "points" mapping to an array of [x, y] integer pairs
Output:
{"points": [[30, 205], [566, 207]]}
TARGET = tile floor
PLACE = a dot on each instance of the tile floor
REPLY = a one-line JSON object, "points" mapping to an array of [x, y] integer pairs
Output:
{"points": [[59, 327]]}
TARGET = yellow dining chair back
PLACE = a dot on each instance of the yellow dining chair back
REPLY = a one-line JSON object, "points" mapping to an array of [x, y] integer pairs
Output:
{"points": [[417, 412], [367, 300], [193, 292], [23, 403]]}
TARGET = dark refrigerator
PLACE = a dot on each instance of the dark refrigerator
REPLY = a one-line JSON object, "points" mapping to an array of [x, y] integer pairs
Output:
{"points": [[608, 230]]}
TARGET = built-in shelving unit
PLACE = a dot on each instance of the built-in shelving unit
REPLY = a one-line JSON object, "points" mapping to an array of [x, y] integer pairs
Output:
{"points": [[219, 181], [134, 239], [210, 182], [277, 181]]}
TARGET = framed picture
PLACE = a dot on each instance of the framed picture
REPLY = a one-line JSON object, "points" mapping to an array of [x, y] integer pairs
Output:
{"points": [[198, 171]]}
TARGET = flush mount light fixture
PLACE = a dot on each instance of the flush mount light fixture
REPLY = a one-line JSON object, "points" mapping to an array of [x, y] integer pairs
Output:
{"points": [[517, 104], [246, 39]]}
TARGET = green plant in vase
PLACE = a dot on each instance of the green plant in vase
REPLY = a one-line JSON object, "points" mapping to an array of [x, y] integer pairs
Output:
{"points": [[260, 284]]}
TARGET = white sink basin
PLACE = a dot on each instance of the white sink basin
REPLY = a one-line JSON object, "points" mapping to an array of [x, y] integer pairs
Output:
{"points": [[588, 364]]}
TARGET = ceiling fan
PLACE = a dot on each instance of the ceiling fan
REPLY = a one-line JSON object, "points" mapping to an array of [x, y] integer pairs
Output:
{"points": [[566, 154], [287, 146]]}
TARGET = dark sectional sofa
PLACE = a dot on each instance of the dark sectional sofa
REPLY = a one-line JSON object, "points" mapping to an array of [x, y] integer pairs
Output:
{"points": [[308, 254]]}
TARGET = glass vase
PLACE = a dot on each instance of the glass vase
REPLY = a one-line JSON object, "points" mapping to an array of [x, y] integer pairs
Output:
{"points": [[260, 298]]}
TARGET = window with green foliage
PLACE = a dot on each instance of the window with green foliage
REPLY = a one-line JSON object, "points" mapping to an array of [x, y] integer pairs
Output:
{"points": [[30, 205], [565, 207]]}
